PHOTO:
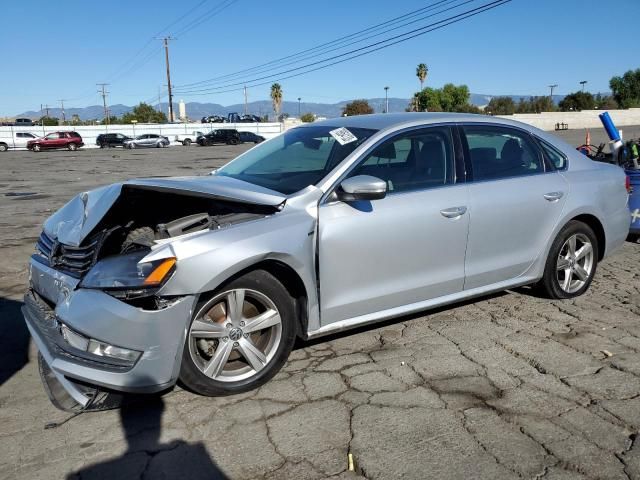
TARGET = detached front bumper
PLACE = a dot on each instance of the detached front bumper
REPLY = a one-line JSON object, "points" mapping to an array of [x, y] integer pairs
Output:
{"points": [[54, 301]]}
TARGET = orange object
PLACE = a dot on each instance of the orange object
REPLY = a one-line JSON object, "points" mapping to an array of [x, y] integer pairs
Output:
{"points": [[160, 272]]}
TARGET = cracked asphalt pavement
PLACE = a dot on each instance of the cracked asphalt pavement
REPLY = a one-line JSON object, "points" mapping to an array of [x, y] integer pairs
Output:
{"points": [[506, 386]]}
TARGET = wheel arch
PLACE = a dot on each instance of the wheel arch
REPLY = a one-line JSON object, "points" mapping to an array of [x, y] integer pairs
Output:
{"points": [[596, 225], [286, 275]]}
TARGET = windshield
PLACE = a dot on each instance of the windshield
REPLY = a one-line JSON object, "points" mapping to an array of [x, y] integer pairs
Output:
{"points": [[296, 159]]}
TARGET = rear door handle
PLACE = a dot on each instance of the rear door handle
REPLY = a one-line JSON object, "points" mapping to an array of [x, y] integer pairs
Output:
{"points": [[453, 212], [553, 196]]}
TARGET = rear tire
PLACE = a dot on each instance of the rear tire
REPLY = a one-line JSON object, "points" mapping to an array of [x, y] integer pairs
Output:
{"points": [[72, 147], [186, 142], [4, 147], [572, 262], [239, 360]]}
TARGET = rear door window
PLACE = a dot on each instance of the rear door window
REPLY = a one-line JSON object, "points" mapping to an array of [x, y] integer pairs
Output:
{"points": [[498, 152]]}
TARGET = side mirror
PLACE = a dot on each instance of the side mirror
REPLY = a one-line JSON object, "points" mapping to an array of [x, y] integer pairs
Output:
{"points": [[362, 187]]}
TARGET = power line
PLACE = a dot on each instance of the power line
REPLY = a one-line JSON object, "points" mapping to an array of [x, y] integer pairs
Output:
{"points": [[334, 43], [131, 65], [212, 13], [358, 52]]}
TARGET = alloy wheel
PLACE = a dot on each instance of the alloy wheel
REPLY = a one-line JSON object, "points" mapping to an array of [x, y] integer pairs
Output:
{"points": [[575, 263], [235, 335]]}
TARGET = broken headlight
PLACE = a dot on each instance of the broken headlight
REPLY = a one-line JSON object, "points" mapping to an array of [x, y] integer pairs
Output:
{"points": [[125, 276]]}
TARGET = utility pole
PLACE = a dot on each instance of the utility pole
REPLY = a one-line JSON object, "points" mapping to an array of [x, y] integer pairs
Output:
{"points": [[104, 93], [166, 56], [64, 118], [245, 100], [386, 99], [583, 83], [46, 107], [552, 87], [159, 99]]}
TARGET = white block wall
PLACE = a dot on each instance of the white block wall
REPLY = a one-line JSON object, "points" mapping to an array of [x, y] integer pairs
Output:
{"points": [[577, 120], [89, 133]]}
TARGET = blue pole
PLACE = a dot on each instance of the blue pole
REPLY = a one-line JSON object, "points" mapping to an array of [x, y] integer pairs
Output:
{"points": [[611, 129]]}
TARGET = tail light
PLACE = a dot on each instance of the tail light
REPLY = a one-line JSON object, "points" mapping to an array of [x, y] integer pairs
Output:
{"points": [[627, 184]]}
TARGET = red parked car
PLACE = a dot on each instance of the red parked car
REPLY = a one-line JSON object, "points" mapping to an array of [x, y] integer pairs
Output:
{"points": [[70, 140]]}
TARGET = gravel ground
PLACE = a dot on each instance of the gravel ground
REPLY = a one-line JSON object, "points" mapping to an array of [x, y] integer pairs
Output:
{"points": [[507, 386]]}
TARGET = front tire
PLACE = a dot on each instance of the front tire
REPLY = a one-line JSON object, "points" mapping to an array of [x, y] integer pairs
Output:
{"points": [[572, 261], [4, 147], [72, 147], [36, 148], [240, 337]]}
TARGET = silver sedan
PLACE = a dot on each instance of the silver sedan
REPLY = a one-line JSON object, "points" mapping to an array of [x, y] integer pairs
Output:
{"points": [[147, 140], [326, 227]]}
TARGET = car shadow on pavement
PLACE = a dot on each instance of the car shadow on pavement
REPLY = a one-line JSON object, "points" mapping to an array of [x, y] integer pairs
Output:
{"points": [[146, 457], [300, 343], [14, 339]]}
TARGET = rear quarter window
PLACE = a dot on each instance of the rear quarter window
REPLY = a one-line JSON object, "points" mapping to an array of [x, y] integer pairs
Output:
{"points": [[554, 156]]}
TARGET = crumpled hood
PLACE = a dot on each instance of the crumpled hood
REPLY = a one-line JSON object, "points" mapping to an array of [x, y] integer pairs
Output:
{"points": [[74, 221]]}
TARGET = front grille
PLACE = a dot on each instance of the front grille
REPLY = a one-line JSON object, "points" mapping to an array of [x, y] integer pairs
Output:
{"points": [[75, 261]]}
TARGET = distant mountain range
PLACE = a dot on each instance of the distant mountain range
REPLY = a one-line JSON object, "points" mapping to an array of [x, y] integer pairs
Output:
{"points": [[197, 110]]}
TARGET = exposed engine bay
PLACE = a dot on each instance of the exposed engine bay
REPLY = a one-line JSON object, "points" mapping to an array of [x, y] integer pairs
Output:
{"points": [[140, 216]]}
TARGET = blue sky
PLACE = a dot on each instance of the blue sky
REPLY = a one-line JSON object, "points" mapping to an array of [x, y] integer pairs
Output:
{"points": [[59, 51]]}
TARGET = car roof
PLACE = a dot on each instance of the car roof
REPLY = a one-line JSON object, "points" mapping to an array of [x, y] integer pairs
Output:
{"points": [[384, 121]]}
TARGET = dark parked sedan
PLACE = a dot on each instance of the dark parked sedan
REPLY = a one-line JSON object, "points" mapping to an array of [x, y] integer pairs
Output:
{"points": [[107, 140], [250, 137], [230, 136]]}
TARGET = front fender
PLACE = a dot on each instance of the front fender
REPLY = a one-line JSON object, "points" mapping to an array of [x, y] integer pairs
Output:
{"points": [[207, 260]]}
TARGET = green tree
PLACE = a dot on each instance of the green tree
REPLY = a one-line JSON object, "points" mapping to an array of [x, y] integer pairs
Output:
{"points": [[501, 106], [450, 98], [113, 120], [605, 102], [49, 121], [144, 113], [626, 89], [536, 105], [421, 72], [577, 101], [308, 117], [276, 98], [357, 107]]}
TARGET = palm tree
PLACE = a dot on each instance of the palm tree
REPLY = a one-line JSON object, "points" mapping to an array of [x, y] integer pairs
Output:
{"points": [[276, 97], [421, 72]]}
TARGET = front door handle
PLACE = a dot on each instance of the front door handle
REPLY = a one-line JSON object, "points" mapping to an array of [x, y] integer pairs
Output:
{"points": [[453, 212], [553, 196]]}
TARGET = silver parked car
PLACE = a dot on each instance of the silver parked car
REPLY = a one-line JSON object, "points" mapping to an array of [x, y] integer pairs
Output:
{"points": [[147, 140], [326, 227]]}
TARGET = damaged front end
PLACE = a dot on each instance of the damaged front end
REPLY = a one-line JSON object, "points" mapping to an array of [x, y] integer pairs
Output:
{"points": [[101, 238], [95, 307]]}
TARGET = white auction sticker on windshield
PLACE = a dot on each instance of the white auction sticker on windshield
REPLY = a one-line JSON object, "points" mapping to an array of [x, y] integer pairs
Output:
{"points": [[343, 136]]}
